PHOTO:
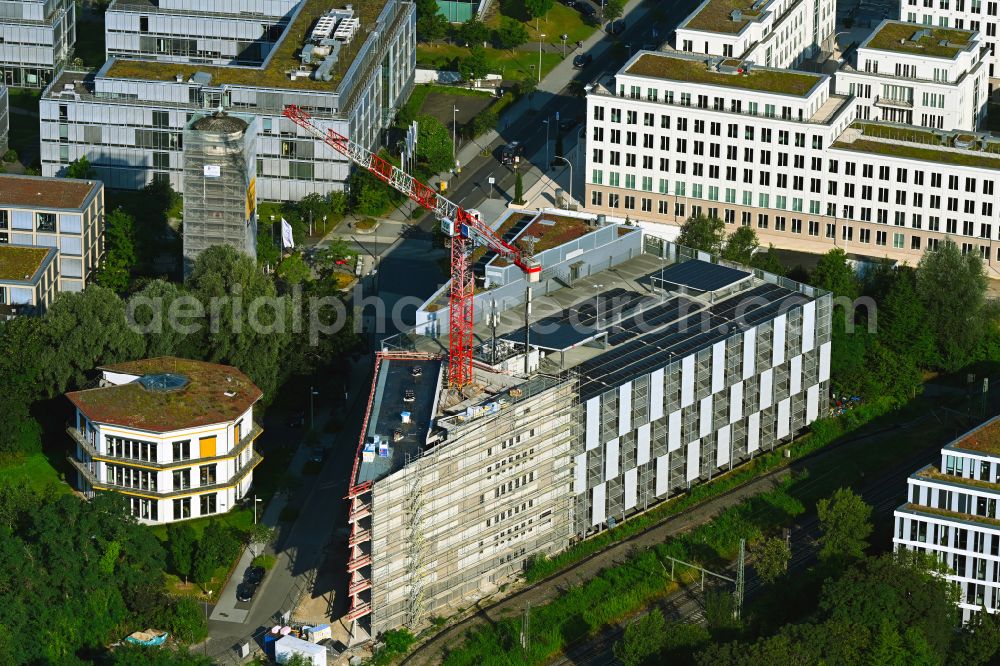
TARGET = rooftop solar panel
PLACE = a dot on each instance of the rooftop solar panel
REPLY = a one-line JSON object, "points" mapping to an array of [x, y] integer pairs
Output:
{"points": [[699, 275]]}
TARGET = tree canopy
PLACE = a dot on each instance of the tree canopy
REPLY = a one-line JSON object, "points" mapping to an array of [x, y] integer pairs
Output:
{"points": [[741, 245], [613, 9], [537, 8], [845, 522], [473, 66], [120, 256], [510, 34], [80, 168], [434, 145], [703, 233]]}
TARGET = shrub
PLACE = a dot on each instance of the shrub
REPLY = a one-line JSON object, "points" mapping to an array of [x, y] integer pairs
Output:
{"points": [[10, 155]]}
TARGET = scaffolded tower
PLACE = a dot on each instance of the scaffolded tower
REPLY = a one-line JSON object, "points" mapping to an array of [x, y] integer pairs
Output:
{"points": [[220, 201]]}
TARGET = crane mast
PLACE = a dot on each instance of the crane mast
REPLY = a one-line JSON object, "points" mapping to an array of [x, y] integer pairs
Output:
{"points": [[464, 229]]}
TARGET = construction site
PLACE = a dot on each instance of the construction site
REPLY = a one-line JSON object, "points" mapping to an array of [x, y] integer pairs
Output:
{"points": [[574, 371]]}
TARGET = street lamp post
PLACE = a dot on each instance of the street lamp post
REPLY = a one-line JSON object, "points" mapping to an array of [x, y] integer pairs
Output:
{"points": [[570, 164], [206, 621], [540, 38], [255, 500], [454, 133], [546, 122], [564, 37], [312, 421]]}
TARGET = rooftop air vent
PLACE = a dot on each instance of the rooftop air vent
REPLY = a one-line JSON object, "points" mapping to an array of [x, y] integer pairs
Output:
{"points": [[736, 15], [230, 394], [179, 78], [920, 34], [163, 382], [943, 42]]}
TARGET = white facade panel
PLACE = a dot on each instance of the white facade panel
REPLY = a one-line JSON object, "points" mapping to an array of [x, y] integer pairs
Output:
{"points": [[661, 475], [687, 381], [693, 459], [599, 502], [631, 488], [674, 431], [749, 352], [642, 445], [656, 395], [824, 361], [812, 403], [722, 451], [795, 375], [580, 474], [784, 417], [736, 402], [766, 389], [705, 417], [611, 460], [808, 326], [593, 422], [718, 366], [778, 346], [624, 408], [753, 432]]}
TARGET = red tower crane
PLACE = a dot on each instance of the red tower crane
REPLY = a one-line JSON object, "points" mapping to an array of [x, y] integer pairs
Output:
{"points": [[459, 224]]}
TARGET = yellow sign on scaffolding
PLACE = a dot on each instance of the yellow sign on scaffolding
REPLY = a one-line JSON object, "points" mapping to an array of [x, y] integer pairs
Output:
{"points": [[251, 197]]}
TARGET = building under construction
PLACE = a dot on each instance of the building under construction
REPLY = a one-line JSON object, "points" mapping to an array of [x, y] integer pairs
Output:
{"points": [[220, 201], [646, 368]]}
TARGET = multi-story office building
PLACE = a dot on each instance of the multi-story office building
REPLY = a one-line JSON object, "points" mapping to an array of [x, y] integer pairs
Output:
{"points": [[173, 435], [951, 513], [975, 15], [4, 119], [28, 281], [237, 32], [915, 75], [36, 39], [63, 213], [676, 135], [769, 33], [659, 370], [128, 117]]}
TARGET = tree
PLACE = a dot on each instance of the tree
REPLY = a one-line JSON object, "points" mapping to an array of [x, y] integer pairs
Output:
{"points": [[312, 207], [23, 353], [614, 9], [979, 640], [768, 261], [149, 310], [845, 523], [518, 189], [338, 250], [510, 34], [703, 233], [259, 536], [771, 556], [537, 8], [473, 66], [181, 542], [474, 31], [115, 271], [642, 639], [79, 168], [834, 274], [293, 269], [741, 245], [185, 619], [434, 145], [431, 24], [902, 321], [952, 288]]}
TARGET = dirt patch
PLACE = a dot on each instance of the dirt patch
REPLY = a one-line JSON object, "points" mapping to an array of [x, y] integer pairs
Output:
{"points": [[440, 106]]}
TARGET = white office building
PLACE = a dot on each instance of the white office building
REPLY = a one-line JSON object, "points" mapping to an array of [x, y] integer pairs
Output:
{"points": [[676, 135], [36, 39], [770, 33], [915, 75], [128, 118], [235, 32], [976, 15], [951, 513]]}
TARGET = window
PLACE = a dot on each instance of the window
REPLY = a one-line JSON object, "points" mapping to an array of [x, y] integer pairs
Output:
{"points": [[45, 221], [207, 503], [182, 508], [161, 119], [182, 450], [182, 479], [207, 475], [161, 160]]}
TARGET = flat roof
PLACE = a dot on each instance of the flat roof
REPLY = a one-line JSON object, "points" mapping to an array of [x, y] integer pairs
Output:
{"points": [[20, 262], [922, 144], [395, 377], [282, 59], [674, 67], [214, 393], [45, 192], [700, 275], [985, 438], [931, 42], [716, 16]]}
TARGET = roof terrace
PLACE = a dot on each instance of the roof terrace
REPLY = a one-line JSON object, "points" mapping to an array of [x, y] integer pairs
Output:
{"points": [[961, 148], [19, 263], [698, 69], [918, 39], [727, 16]]}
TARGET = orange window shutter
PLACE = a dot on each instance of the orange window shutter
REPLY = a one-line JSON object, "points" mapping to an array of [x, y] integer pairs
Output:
{"points": [[207, 447], [239, 432]]}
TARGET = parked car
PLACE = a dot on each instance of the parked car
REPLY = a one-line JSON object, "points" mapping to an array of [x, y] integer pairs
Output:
{"points": [[616, 27], [586, 10], [245, 591], [512, 153], [582, 60], [253, 575], [317, 454]]}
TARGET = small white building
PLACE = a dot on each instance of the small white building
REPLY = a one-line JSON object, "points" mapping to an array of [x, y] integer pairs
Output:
{"points": [[951, 513], [919, 75], [173, 435]]}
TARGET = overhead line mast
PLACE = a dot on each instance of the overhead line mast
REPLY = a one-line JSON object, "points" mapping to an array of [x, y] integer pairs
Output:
{"points": [[464, 229]]}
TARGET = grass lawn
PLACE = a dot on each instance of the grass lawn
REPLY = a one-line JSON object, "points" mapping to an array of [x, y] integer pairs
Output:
{"points": [[511, 65], [240, 519], [560, 20], [34, 469]]}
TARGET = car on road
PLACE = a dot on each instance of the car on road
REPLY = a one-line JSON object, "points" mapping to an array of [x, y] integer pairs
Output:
{"points": [[512, 153], [569, 3], [616, 27], [582, 60], [253, 575], [246, 591]]}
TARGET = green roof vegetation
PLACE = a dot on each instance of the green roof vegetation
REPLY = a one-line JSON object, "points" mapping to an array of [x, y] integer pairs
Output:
{"points": [[932, 472], [283, 59], [985, 439], [987, 155], [662, 66], [895, 36], [716, 16], [20, 263], [951, 514]]}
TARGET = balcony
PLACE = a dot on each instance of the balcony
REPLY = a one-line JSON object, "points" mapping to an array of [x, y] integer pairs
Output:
{"points": [[886, 102], [91, 477], [91, 448]]}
